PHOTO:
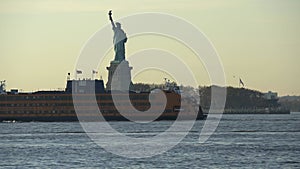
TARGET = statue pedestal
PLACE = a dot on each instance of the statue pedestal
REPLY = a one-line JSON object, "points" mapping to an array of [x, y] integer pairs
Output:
{"points": [[119, 76]]}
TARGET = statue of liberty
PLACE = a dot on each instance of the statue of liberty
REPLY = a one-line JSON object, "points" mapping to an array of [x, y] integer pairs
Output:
{"points": [[119, 39]]}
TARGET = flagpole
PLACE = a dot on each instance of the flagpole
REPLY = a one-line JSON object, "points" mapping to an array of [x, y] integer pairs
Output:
{"points": [[241, 83], [77, 72], [94, 72]]}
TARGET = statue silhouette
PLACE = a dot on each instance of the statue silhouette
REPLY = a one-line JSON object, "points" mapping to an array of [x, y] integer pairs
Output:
{"points": [[119, 39]]}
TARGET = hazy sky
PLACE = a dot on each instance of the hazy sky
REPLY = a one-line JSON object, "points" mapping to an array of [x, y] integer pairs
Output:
{"points": [[257, 40]]}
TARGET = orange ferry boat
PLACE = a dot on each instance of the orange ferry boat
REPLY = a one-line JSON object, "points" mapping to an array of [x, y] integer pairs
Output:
{"points": [[57, 106]]}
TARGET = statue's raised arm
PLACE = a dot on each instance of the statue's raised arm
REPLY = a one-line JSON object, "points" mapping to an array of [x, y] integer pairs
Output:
{"points": [[111, 19]]}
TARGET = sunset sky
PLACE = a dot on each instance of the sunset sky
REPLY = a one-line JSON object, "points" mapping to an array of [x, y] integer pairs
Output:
{"points": [[257, 40]]}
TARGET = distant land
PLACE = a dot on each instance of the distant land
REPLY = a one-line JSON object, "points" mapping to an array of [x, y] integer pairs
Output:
{"points": [[292, 102], [238, 99]]}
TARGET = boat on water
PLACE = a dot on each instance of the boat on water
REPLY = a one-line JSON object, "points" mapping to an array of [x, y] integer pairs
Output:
{"points": [[58, 106], [88, 100]]}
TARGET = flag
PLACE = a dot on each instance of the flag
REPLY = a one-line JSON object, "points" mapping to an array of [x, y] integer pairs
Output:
{"points": [[95, 71], [241, 82], [78, 71]]}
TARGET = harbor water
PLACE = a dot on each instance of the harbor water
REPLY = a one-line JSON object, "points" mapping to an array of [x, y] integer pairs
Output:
{"points": [[240, 141]]}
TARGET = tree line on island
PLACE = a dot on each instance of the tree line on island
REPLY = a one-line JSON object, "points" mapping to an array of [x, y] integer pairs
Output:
{"points": [[236, 98]]}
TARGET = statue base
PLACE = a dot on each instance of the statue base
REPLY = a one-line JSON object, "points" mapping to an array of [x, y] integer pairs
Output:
{"points": [[119, 76]]}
